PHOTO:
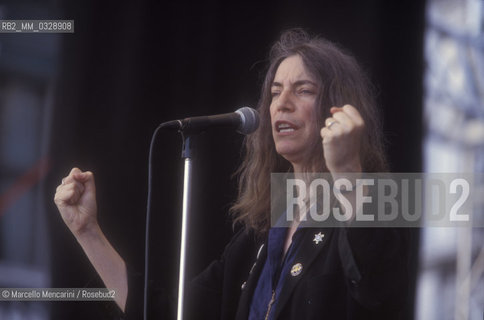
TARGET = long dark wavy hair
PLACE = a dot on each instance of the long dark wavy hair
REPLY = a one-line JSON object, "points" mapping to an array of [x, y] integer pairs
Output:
{"points": [[341, 81]]}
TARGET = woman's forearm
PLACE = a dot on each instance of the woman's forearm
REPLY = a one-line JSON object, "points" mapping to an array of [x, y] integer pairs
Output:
{"points": [[107, 262]]}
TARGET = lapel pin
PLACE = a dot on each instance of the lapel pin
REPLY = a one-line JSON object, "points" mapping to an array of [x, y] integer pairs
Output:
{"points": [[296, 269], [318, 237]]}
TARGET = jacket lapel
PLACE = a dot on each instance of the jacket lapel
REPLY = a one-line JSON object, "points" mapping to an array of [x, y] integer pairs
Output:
{"points": [[249, 286], [312, 243]]}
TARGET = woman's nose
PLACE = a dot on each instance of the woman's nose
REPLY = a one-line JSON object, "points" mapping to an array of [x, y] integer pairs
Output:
{"points": [[285, 102]]}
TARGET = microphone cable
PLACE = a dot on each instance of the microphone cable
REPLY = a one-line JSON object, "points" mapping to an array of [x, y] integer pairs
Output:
{"points": [[147, 227]]}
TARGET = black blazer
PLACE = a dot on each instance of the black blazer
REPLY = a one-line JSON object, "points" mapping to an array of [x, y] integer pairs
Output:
{"points": [[354, 273]]}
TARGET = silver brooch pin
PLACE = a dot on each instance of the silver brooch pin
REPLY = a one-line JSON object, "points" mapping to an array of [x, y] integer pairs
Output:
{"points": [[318, 237]]}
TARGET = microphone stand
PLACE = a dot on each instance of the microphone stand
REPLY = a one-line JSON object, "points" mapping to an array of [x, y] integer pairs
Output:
{"points": [[247, 120], [187, 180]]}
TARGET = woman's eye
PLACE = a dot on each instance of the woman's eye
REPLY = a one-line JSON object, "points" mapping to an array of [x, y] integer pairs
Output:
{"points": [[275, 93], [306, 91]]}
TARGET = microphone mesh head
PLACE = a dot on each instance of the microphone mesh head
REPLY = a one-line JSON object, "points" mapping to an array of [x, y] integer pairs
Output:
{"points": [[249, 120]]}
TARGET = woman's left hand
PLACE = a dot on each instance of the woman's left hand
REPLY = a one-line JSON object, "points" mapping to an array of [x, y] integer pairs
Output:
{"points": [[342, 139]]}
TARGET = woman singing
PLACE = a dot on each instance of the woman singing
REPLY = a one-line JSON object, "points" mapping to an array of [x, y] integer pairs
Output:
{"points": [[317, 114]]}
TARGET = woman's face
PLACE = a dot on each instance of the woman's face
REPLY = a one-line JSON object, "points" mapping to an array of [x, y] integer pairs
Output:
{"points": [[293, 111]]}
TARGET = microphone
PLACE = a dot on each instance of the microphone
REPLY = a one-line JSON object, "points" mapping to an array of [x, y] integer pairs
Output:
{"points": [[245, 120]]}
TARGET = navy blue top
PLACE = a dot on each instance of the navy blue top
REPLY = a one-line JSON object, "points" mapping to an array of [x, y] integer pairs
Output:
{"points": [[273, 273]]}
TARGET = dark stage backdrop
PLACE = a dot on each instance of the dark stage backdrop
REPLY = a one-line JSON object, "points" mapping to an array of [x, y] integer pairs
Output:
{"points": [[132, 65]]}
